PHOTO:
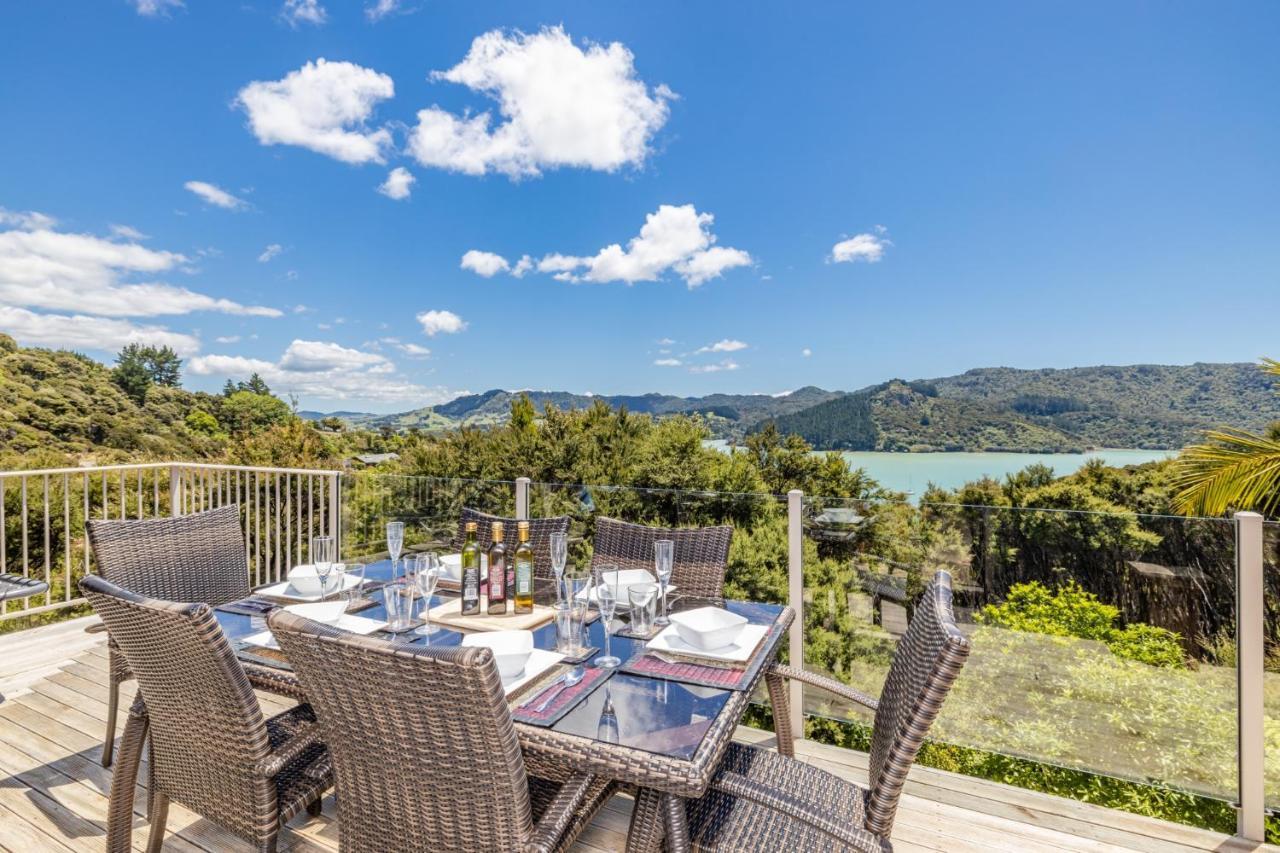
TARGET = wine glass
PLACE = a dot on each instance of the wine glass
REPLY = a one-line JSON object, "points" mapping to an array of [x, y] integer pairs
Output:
{"points": [[559, 556], [427, 573], [606, 603], [395, 543], [322, 559], [663, 557], [607, 725]]}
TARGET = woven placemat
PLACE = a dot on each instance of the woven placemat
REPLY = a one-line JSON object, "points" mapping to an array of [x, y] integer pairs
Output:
{"points": [[564, 702], [703, 675]]}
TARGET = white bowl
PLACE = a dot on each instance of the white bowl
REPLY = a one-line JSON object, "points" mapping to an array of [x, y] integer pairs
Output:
{"points": [[708, 628], [328, 612], [304, 579], [511, 649]]}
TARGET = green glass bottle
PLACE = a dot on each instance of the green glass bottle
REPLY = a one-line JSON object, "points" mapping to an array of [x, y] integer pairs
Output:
{"points": [[470, 572], [524, 570]]}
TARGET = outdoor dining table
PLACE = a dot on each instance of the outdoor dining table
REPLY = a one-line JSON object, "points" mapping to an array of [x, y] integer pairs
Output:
{"points": [[670, 734]]}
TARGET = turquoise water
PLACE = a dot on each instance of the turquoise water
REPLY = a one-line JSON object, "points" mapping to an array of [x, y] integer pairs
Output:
{"points": [[912, 472]]}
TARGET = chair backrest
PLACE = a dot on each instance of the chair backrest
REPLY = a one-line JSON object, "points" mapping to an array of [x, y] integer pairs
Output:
{"points": [[424, 752], [207, 731], [926, 664], [701, 553], [198, 557], [540, 530]]}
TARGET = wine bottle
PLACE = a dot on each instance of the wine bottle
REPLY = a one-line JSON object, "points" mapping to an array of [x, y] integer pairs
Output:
{"points": [[523, 570], [497, 573], [470, 572]]}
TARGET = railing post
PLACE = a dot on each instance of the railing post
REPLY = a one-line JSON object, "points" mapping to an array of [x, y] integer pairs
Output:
{"points": [[522, 498], [335, 512], [175, 490], [1250, 754], [795, 595]]}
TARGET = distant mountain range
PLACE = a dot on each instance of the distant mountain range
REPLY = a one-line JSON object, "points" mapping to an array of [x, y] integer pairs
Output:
{"points": [[997, 408]]}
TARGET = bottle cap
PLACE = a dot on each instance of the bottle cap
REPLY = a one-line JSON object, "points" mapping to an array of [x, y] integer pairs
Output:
{"points": [[497, 530], [471, 527]]}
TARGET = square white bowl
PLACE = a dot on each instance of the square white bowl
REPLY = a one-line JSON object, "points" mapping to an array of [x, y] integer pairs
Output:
{"points": [[708, 628], [511, 649], [304, 579]]}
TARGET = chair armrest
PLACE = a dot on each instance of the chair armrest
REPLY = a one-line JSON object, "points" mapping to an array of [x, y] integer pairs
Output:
{"points": [[305, 736], [275, 681], [95, 628], [559, 814], [830, 685], [740, 787]]}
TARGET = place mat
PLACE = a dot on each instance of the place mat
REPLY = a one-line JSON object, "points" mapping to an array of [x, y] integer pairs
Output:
{"points": [[564, 702], [705, 675], [582, 656], [450, 613], [251, 606]]}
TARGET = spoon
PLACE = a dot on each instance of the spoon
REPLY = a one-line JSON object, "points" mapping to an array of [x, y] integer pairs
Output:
{"points": [[569, 679]]}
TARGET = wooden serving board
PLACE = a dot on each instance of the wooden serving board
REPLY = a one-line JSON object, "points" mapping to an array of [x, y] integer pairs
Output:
{"points": [[450, 613]]}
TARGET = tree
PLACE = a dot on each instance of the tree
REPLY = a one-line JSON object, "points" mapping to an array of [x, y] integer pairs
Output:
{"points": [[139, 367], [1233, 470], [245, 411], [132, 378], [257, 385]]}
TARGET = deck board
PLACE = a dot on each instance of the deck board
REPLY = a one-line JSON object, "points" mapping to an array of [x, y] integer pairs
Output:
{"points": [[53, 792]]}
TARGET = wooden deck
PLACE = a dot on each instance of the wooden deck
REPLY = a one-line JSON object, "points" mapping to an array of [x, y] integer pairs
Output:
{"points": [[53, 792]]}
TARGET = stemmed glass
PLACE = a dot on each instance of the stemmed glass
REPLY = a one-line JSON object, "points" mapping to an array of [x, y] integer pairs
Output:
{"points": [[606, 603], [322, 559], [607, 725], [663, 557], [395, 543], [427, 574], [559, 556]]}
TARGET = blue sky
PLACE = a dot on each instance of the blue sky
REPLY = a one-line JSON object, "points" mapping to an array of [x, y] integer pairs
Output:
{"points": [[835, 193]]}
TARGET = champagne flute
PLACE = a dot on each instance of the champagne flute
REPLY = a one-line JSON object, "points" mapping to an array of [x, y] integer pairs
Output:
{"points": [[663, 558], [559, 556], [428, 575], [606, 603], [395, 543], [322, 559]]}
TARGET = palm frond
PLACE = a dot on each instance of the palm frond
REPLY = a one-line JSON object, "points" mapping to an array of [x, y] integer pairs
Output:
{"points": [[1233, 469]]}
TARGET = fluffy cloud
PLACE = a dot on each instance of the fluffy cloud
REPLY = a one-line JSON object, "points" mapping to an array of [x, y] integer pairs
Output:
{"points": [[667, 362], [323, 106], [398, 184], [806, 352], [324, 370], [868, 248], [155, 8], [127, 232], [270, 252], [441, 323], [81, 332], [725, 345], [560, 105], [673, 238], [216, 195], [228, 339], [297, 12], [719, 366], [380, 9], [485, 264], [87, 274], [28, 220]]}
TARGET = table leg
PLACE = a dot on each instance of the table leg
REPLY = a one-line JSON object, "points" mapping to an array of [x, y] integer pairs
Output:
{"points": [[647, 824], [677, 824]]}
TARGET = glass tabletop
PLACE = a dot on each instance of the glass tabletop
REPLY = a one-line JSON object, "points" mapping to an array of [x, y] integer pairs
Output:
{"points": [[652, 714]]}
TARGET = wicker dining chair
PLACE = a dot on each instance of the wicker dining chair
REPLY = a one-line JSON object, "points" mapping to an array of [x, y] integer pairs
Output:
{"points": [[701, 553], [761, 800], [540, 530], [197, 558], [211, 748], [425, 754]]}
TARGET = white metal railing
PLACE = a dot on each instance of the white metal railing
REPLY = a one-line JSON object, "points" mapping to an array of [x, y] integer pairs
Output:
{"points": [[282, 508], [43, 514]]}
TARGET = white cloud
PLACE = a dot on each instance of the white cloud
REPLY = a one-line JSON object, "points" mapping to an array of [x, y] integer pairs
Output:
{"points": [[560, 105], [270, 252], [725, 345], [485, 264], [325, 370], [83, 273], [398, 184], [806, 352], [380, 9], [727, 364], [28, 220], [667, 362], [127, 232], [228, 339], [665, 342], [861, 247], [413, 350], [155, 8], [323, 106], [81, 332], [673, 238], [522, 266], [441, 323], [295, 12], [216, 195]]}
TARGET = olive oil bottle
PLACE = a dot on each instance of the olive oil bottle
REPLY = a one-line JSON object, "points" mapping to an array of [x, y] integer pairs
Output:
{"points": [[470, 572], [497, 573], [524, 570]]}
